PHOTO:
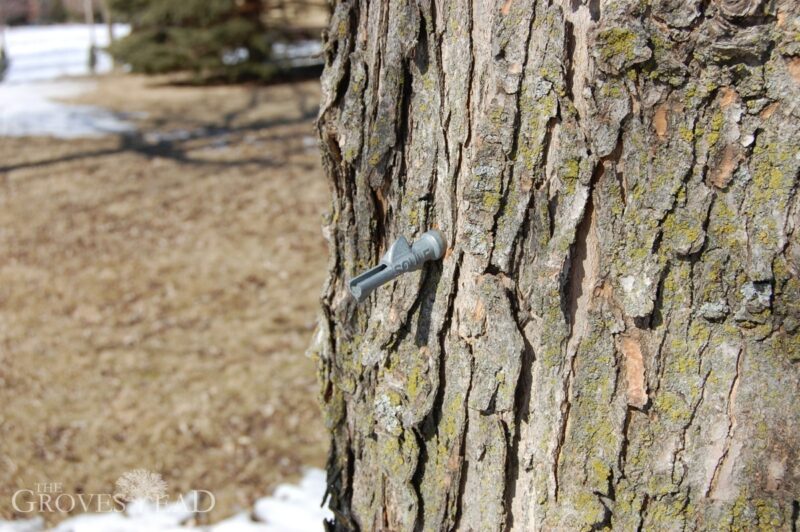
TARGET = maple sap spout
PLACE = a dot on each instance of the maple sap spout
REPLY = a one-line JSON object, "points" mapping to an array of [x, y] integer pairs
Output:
{"points": [[400, 258]]}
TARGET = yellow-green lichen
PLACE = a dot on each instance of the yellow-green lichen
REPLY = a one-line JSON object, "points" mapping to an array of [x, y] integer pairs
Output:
{"points": [[717, 121], [572, 169], [672, 405], [617, 42], [681, 231], [491, 201], [588, 507]]}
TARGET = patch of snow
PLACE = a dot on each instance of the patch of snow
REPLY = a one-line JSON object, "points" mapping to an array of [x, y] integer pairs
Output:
{"points": [[295, 508], [39, 55], [241, 523], [155, 137], [163, 516], [240, 55], [292, 508], [99, 523], [297, 50], [310, 142], [34, 524], [296, 54], [30, 110]]}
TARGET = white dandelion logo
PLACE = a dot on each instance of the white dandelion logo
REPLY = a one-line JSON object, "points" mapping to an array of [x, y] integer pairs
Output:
{"points": [[141, 484]]}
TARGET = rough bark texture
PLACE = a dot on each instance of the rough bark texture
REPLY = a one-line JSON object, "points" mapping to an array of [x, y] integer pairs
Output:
{"points": [[613, 338]]}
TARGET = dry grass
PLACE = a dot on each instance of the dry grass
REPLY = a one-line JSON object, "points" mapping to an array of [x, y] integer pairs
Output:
{"points": [[156, 299]]}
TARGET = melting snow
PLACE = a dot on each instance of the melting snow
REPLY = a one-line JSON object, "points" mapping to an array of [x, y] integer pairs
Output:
{"points": [[30, 110], [39, 55]]}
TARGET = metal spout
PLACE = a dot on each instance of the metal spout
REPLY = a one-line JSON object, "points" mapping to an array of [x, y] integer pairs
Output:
{"points": [[398, 259]]}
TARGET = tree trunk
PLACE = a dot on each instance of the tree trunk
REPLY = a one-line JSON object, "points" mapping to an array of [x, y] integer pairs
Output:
{"points": [[613, 338], [108, 18]]}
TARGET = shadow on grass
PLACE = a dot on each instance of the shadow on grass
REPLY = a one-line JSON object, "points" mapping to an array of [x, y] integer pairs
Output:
{"points": [[284, 74], [177, 149]]}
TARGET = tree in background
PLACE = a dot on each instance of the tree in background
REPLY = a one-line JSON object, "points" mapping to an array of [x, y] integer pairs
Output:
{"points": [[4, 62], [57, 12], [214, 39]]}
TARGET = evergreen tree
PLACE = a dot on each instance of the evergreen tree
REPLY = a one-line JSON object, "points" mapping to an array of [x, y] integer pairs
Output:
{"points": [[57, 12], [214, 39]]}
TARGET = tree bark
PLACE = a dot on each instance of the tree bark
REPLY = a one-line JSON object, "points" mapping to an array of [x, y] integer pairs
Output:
{"points": [[612, 339]]}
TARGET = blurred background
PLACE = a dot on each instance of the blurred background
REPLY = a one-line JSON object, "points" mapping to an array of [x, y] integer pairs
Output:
{"points": [[160, 251]]}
